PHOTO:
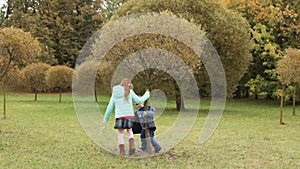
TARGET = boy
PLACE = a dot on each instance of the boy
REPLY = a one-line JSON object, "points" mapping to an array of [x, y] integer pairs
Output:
{"points": [[146, 120]]}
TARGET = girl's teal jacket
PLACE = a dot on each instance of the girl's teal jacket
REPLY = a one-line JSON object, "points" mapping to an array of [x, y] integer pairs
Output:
{"points": [[122, 106]]}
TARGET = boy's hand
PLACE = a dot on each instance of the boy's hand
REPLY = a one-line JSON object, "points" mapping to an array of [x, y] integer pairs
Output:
{"points": [[140, 114], [145, 113]]}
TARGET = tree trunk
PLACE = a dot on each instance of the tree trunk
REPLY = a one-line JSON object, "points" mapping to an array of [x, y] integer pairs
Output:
{"points": [[294, 100], [35, 95], [281, 107], [60, 91], [256, 96], [4, 103], [96, 99], [238, 93], [247, 92], [179, 101]]}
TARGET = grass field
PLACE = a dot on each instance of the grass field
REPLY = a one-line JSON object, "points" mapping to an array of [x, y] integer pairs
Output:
{"points": [[47, 134]]}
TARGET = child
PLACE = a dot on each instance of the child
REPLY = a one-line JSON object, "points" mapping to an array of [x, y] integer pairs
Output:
{"points": [[121, 101], [146, 120]]}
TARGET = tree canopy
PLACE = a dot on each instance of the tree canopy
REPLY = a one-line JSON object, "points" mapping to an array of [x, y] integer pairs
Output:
{"points": [[59, 77], [34, 76], [62, 27], [288, 67], [17, 48], [228, 32]]}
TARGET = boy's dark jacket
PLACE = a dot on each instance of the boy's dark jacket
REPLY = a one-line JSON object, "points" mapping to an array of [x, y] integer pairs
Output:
{"points": [[146, 121]]}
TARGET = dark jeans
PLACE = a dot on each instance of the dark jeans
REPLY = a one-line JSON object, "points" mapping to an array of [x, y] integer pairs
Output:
{"points": [[154, 143]]}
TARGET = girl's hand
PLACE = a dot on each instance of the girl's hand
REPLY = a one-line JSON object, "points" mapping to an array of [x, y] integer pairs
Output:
{"points": [[104, 128]]}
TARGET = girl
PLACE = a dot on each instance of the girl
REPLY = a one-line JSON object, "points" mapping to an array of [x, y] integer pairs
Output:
{"points": [[121, 101]]}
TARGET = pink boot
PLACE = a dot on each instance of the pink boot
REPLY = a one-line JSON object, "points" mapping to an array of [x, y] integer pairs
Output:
{"points": [[131, 146], [122, 149]]}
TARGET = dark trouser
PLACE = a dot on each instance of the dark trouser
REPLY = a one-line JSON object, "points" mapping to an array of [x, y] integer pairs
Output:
{"points": [[153, 141]]}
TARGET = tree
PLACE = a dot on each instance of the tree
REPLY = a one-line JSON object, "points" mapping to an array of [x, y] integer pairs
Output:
{"points": [[288, 70], [61, 29], [281, 18], [17, 49], [261, 77], [280, 22], [24, 15], [150, 78], [59, 77], [34, 77], [73, 25], [228, 32]]}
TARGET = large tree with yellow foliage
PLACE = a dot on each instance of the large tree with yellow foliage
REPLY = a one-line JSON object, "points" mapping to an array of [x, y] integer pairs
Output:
{"points": [[228, 32]]}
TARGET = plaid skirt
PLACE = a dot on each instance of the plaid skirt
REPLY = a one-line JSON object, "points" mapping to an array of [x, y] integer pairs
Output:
{"points": [[123, 123]]}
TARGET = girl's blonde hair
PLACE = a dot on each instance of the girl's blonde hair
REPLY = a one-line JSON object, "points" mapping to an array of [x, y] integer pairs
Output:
{"points": [[126, 83]]}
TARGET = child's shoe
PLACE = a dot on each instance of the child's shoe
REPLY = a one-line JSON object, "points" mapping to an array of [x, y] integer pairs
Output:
{"points": [[122, 149], [131, 146], [157, 150]]}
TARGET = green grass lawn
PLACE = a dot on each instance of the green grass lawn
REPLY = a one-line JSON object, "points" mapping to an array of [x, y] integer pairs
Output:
{"points": [[47, 134]]}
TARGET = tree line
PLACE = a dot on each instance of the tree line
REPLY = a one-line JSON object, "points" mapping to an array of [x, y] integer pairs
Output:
{"points": [[275, 32], [273, 29]]}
